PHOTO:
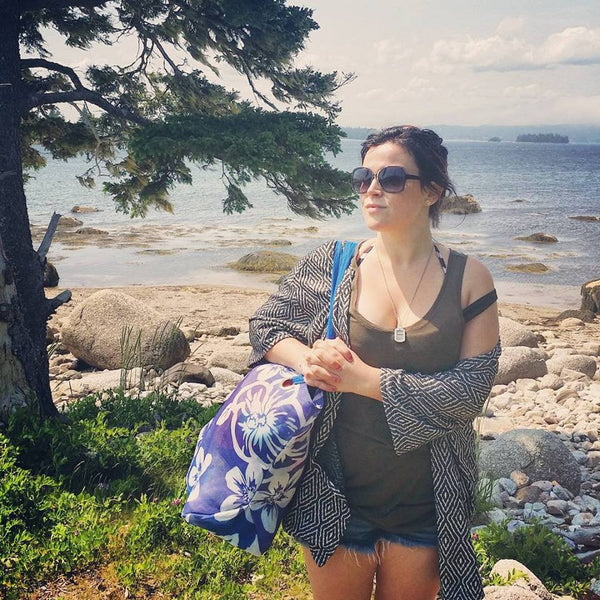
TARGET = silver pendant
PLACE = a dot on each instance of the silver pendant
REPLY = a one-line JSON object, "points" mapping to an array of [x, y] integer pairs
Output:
{"points": [[399, 334]]}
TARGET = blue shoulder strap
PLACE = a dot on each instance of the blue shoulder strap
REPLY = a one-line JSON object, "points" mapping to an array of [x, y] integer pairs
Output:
{"points": [[344, 251], [342, 256]]}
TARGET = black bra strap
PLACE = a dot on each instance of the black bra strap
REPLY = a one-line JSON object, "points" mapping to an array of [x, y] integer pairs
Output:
{"points": [[477, 307]]}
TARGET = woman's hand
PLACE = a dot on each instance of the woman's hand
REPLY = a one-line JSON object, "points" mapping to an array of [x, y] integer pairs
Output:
{"points": [[333, 367]]}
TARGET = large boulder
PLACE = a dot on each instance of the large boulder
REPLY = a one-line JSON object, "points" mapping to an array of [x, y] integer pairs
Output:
{"points": [[112, 330], [234, 358], [519, 362], [266, 261], [529, 581], [544, 238], [513, 333], [50, 275], [541, 455], [460, 205], [590, 296], [575, 362]]}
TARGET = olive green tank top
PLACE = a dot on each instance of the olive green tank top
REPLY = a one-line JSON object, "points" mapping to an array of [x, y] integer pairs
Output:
{"points": [[390, 491]]}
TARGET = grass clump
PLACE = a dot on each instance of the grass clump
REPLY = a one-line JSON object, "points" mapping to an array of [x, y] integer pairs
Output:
{"points": [[543, 552], [98, 497]]}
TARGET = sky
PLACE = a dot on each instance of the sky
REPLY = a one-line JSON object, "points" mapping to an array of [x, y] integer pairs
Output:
{"points": [[453, 62], [461, 62]]}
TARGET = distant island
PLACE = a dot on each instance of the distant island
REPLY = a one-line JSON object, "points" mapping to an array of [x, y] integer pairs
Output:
{"points": [[549, 138], [494, 139]]}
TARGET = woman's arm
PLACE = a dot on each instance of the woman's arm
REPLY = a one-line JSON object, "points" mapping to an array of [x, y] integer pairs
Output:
{"points": [[294, 316]]}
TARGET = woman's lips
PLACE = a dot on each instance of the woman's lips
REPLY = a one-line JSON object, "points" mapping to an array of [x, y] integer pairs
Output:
{"points": [[373, 207]]}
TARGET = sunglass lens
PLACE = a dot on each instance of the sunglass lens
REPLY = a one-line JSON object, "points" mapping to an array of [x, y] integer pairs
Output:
{"points": [[392, 179], [361, 179]]}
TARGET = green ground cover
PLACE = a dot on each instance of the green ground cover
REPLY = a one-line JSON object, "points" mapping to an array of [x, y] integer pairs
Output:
{"points": [[93, 503]]}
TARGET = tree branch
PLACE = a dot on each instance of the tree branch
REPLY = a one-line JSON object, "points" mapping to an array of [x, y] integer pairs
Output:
{"points": [[54, 303], [31, 63], [34, 5], [82, 95], [45, 245]]}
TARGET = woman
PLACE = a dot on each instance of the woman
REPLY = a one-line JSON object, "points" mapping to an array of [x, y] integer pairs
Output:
{"points": [[387, 493]]}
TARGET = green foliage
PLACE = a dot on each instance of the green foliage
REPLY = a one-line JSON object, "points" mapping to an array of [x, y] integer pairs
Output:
{"points": [[44, 529], [162, 111], [101, 444], [141, 444], [543, 552]]}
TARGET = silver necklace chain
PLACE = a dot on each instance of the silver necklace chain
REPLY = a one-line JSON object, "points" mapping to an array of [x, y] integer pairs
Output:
{"points": [[399, 331]]}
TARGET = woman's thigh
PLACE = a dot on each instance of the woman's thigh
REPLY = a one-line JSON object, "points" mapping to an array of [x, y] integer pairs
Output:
{"points": [[406, 573], [347, 575]]}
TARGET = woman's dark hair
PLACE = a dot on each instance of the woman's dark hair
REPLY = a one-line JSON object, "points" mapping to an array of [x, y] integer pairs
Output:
{"points": [[431, 157]]}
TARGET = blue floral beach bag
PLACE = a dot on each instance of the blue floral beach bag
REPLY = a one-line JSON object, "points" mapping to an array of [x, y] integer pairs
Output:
{"points": [[250, 456]]}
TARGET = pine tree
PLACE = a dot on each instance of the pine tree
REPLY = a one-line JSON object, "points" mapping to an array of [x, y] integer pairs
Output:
{"points": [[146, 122]]}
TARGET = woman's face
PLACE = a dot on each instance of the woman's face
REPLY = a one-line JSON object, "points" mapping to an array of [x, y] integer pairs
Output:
{"points": [[385, 211]]}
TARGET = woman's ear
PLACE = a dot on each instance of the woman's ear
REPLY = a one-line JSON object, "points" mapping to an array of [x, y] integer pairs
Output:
{"points": [[433, 193]]}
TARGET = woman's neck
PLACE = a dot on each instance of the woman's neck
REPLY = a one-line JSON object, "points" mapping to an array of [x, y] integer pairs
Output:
{"points": [[404, 250]]}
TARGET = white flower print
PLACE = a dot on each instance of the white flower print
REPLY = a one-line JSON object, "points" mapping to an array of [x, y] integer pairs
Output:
{"points": [[243, 486], [278, 494], [266, 425], [201, 463]]}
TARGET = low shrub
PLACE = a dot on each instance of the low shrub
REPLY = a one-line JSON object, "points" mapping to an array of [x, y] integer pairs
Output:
{"points": [[543, 552]]}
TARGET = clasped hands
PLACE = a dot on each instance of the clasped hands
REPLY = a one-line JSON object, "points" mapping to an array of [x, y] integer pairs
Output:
{"points": [[334, 367]]}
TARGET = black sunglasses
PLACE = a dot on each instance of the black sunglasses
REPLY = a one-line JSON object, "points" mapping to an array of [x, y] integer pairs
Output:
{"points": [[391, 179]]}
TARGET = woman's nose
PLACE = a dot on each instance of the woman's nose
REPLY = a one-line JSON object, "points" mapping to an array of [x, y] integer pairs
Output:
{"points": [[374, 187]]}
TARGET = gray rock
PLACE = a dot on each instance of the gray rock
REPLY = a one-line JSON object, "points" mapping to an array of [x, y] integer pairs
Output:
{"points": [[66, 222], [225, 377], [541, 237], [508, 485], [543, 484], [241, 339], [111, 330], [460, 205], [496, 515], [519, 363], [233, 358], [538, 454], [77, 209], [513, 333], [570, 322], [582, 519], [508, 592], [104, 380], [51, 277], [580, 457], [530, 582], [520, 478], [188, 373], [266, 261], [528, 494], [551, 381], [575, 362], [557, 508]]}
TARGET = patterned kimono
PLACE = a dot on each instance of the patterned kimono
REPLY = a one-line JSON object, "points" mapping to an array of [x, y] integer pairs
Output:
{"points": [[436, 409]]}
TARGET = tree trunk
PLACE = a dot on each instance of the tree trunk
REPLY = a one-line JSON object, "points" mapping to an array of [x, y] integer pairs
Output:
{"points": [[23, 306]]}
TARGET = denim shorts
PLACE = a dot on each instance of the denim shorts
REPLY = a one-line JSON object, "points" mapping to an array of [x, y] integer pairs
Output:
{"points": [[363, 537]]}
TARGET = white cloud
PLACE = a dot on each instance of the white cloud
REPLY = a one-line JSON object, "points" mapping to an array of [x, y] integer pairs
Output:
{"points": [[505, 52], [572, 46], [391, 51], [510, 26]]}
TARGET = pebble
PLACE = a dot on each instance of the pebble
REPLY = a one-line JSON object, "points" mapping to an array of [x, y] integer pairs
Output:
{"points": [[520, 478]]}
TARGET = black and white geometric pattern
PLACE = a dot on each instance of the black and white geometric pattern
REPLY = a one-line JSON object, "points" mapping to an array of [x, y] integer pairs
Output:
{"points": [[435, 409]]}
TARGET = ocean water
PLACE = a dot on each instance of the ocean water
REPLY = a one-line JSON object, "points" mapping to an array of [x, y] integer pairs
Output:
{"points": [[522, 189]]}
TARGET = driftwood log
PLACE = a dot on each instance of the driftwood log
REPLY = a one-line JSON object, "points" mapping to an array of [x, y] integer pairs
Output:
{"points": [[590, 296]]}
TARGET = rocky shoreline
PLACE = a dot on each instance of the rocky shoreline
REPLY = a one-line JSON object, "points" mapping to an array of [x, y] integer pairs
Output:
{"points": [[548, 386]]}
